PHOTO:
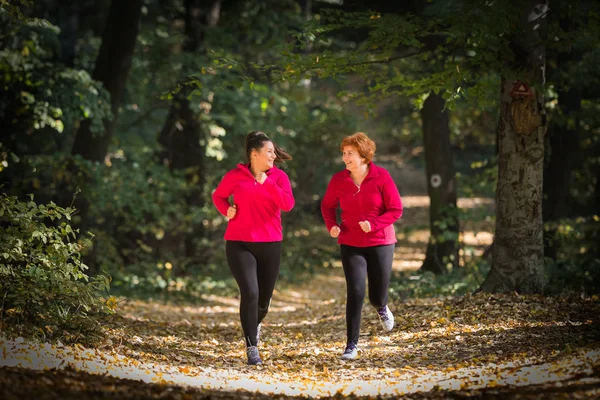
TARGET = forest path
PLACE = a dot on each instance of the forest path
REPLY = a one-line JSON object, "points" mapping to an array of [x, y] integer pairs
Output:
{"points": [[499, 346]]}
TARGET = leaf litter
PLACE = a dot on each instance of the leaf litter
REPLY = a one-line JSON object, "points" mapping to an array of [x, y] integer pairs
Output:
{"points": [[469, 346]]}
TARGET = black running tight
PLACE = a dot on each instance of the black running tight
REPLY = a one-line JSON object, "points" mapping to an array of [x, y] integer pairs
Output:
{"points": [[360, 263], [255, 267]]}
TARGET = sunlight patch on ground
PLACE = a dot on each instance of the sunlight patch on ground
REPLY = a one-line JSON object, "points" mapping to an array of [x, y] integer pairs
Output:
{"points": [[406, 265], [471, 238], [423, 201], [420, 236], [393, 381]]}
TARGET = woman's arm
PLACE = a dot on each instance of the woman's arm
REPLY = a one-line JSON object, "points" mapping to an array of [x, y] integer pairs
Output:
{"points": [[329, 205], [220, 196], [392, 205], [281, 190]]}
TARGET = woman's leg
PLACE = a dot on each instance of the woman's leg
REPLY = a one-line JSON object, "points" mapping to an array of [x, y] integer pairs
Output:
{"points": [[268, 257], [355, 271], [379, 271], [242, 264]]}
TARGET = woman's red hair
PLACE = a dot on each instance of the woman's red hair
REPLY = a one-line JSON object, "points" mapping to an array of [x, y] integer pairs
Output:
{"points": [[363, 144]]}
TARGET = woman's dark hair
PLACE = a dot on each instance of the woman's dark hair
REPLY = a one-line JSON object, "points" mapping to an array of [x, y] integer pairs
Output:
{"points": [[255, 140]]}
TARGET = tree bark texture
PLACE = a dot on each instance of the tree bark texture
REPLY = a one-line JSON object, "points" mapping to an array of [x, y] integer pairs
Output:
{"points": [[518, 253], [442, 249], [112, 68]]}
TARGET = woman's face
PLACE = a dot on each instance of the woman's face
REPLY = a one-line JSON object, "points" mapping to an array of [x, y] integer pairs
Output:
{"points": [[264, 158], [352, 158]]}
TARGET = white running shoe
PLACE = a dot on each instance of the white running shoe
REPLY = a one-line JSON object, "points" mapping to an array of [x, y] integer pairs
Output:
{"points": [[387, 318], [351, 352]]}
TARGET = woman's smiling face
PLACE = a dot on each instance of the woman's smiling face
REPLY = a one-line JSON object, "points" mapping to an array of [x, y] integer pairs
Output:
{"points": [[265, 157], [352, 158]]}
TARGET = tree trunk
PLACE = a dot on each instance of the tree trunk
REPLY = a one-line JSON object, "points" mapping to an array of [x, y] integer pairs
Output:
{"points": [[112, 68], [518, 254], [442, 249], [183, 136]]}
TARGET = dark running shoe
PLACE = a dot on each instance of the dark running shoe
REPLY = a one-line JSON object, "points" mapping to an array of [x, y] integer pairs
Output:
{"points": [[253, 357]]}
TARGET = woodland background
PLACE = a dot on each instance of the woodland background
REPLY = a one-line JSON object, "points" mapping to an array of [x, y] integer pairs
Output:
{"points": [[118, 119]]}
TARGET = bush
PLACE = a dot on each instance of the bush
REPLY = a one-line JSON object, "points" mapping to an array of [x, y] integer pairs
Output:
{"points": [[43, 286], [575, 266], [425, 284]]}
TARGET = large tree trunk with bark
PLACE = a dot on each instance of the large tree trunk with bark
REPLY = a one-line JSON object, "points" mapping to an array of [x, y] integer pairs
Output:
{"points": [[183, 136], [442, 250], [112, 68], [518, 253]]}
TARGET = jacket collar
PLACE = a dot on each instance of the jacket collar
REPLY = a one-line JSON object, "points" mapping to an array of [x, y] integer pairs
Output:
{"points": [[245, 168]]}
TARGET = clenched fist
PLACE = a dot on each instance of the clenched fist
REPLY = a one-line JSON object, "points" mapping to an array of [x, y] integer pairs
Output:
{"points": [[365, 226], [334, 231], [231, 211]]}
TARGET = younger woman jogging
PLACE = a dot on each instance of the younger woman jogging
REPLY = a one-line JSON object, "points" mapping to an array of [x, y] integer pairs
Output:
{"points": [[370, 204], [254, 233]]}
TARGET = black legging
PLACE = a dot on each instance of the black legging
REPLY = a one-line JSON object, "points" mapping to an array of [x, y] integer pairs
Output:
{"points": [[255, 267], [359, 263]]}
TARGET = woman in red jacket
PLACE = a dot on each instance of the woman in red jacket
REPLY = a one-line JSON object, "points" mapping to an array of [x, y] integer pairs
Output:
{"points": [[254, 234], [370, 204]]}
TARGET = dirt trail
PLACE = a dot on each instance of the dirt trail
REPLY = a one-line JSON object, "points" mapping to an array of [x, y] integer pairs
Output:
{"points": [[493, 345]]}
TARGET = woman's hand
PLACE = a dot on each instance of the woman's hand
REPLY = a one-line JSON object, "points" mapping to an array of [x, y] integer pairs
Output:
{"points": [[231, 211], [335, 231], [261, 178], [365, 226]]}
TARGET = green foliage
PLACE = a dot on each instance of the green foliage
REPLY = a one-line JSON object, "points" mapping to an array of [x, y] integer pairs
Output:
{"points": [[307, 247], [576, 267], [423, 284], [40, 97], [14, 8], [42, 278]]}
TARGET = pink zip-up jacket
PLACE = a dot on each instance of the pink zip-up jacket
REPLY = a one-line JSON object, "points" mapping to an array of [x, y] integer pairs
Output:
{"points": [[258, 216], [377, 201]]}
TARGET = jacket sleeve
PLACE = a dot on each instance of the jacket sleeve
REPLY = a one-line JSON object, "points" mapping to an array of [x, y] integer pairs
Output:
{"points": [[392, 204], [220, 196], [329, 205], [281, 190]]}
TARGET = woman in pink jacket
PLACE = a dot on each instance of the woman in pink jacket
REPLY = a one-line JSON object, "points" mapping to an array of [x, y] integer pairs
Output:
{"points": [[254, 234], [370, 204]]}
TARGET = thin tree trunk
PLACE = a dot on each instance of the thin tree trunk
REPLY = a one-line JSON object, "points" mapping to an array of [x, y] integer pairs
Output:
{"points": [[112, 68], [183, 136], [68, 19], [518, 253], [442, 249]]}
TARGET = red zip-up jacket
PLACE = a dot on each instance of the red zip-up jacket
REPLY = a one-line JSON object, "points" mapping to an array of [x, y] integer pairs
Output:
{"points": [[258, 216], [377, 201]]}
